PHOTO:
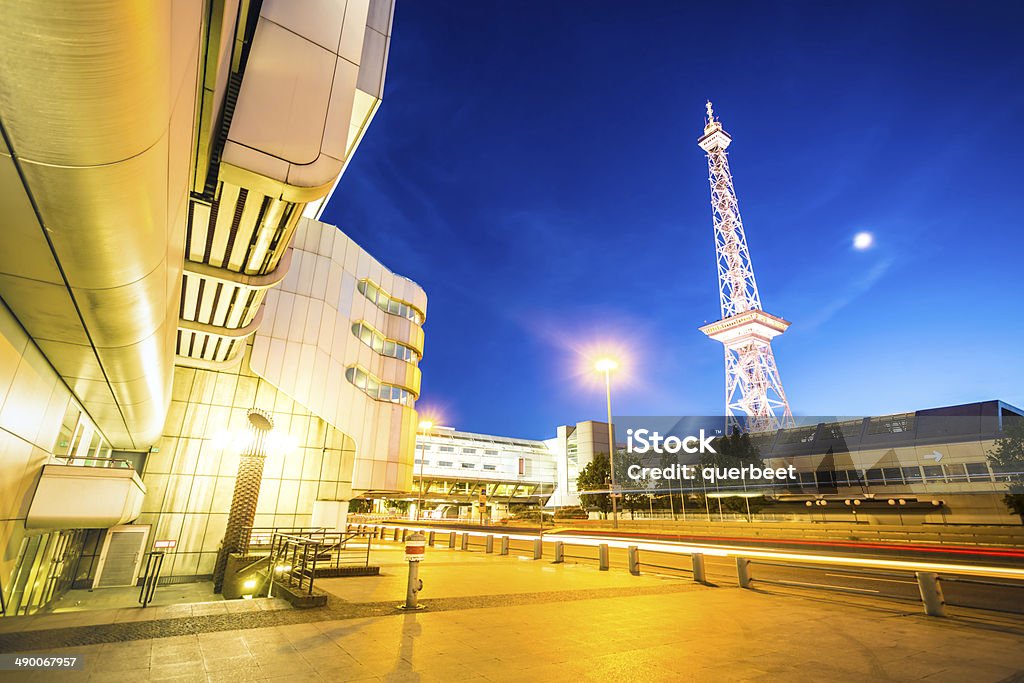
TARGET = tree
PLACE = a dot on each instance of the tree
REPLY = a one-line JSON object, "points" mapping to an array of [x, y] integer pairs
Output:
{"points": [[595, 476], [1008, 457], [735, 450]]}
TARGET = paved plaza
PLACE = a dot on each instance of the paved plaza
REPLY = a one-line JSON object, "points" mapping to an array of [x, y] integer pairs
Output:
{"points": [[491, 618]]}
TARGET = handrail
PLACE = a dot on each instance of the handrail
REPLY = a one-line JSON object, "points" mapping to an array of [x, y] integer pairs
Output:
{"points": [[125, 464], [295, 559], [151, 576]]}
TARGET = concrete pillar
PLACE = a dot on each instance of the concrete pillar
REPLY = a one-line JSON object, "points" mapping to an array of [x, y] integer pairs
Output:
{"points": [[559, 552], [538, 548], [451, 540], [430, 539], [504, 545], [602, 557], [634, 560], [489, 543], [465, 541]]}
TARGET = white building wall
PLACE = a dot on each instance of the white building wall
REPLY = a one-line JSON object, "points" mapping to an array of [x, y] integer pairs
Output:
{"points": [[306, 343]]}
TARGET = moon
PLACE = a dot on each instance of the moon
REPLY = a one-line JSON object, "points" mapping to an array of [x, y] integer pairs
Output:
{"points": [[863, 240]]}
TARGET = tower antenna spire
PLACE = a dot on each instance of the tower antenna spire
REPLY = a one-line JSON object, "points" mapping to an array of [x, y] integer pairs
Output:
{"points": [[754, 397]]}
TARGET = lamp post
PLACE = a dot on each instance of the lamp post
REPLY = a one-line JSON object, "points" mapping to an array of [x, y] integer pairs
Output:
{"points": [[246, 494], [606, 365], [425, 426]]}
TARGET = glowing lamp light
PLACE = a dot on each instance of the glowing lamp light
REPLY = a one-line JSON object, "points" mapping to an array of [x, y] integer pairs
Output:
{"points": [[605, 365], [250, 584]]}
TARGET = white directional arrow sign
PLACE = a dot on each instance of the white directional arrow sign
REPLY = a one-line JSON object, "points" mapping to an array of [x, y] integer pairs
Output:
{"points": [[934, 455]]}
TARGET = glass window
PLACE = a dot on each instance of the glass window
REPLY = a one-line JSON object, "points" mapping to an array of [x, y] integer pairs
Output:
{"points": [[802, 435], [911, 474], [387, 304], [933, 473], [376, 341], [826, 478], [491, 452], [469, 450], [468, 465], [956, 472], [893, 475], [978, 471], [490, 467], [67, 430], [444, 463], [375, 389], [447, 449], [891, 424], [874, 477]]}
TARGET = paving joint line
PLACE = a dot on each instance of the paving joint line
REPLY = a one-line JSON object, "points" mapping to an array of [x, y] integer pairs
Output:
{"points": [[335, 610]]}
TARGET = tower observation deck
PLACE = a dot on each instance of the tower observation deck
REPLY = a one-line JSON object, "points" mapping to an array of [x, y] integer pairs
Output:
{"points": [[754, 397]]}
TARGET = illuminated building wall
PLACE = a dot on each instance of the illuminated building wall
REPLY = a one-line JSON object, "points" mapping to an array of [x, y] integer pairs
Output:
{"points": [[190, 479], [343, 335]]}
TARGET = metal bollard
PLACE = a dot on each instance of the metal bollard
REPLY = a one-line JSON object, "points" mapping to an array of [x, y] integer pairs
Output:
{"points": [[634, 560], [451, 540], [559, 552], [743, 572], [489, 544], [395, 537], [931, 594], [404, 534], [504, 545], [602, 557], [538, 548], [465, 541], [430, 539], [699, 574]]}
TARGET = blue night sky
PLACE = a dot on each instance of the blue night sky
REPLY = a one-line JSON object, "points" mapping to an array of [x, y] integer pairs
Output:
{"points": [[534, 167]]}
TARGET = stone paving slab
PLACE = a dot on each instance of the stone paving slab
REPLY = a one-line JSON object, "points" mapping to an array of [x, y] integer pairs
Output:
{"points": [[40, 622], [610, 626], [701, 635]]}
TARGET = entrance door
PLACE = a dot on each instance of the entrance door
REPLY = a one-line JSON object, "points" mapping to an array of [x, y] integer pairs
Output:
{"points": [[121, 556]]}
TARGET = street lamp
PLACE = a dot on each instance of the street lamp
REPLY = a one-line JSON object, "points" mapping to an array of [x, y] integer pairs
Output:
{"points": [[606, 365], [425, 427]]}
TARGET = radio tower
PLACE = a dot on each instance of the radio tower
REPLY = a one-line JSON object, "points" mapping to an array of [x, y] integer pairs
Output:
{"points": [[754, 398]]}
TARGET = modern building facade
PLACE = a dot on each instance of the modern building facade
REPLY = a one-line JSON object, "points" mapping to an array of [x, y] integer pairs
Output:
{"points": [[463, 473], [932, 464], [162, 274]]}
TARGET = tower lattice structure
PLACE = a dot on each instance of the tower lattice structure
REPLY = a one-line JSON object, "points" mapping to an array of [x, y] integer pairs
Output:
{"points": [[754, 397]]}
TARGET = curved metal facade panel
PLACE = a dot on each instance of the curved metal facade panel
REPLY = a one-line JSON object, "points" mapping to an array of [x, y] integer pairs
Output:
{"points": [[294, 112], [97, 103], [306, 343]]}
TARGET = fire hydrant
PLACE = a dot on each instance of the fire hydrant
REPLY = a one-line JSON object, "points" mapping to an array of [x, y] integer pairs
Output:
{"points": [[415, 550]]}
